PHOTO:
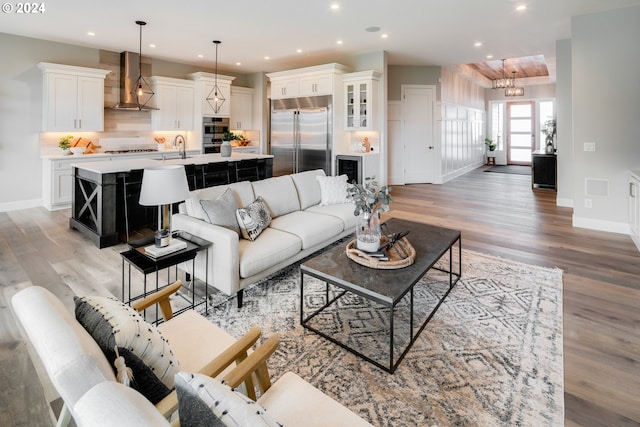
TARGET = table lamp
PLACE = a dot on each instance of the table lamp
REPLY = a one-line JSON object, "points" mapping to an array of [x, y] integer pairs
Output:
{"points": [[162, 186]]}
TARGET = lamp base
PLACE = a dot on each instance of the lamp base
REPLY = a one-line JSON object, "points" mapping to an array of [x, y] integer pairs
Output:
{"points": [[162, 238]]}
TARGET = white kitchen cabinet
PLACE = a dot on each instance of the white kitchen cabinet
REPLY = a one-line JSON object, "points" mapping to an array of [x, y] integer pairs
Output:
{"points": [[204, 84], [634, 207], [174, 100], [360, 93], [241, 108], [73, 98], [309, 81]]}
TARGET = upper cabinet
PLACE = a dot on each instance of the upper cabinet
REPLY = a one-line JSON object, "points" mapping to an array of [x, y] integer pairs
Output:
{"points": [[241, 108], [360, 93], [204, 84], [310, 81], [174, 100], [73, 98]]}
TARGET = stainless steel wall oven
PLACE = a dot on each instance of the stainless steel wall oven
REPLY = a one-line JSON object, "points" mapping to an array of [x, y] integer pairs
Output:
{"points": [[213, 130]]}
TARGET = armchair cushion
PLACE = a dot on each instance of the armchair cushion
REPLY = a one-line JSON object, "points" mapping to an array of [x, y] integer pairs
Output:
{"points": [[112, 323], [204, 401], [222, 211], [253, 219]]}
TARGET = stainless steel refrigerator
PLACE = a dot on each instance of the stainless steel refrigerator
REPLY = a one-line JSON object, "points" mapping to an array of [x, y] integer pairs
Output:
{"points": [[300, 137]]}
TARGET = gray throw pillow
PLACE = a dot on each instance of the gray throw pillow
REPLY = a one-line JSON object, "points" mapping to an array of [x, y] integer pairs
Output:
{"points": [[207, 402], [222, 211]]}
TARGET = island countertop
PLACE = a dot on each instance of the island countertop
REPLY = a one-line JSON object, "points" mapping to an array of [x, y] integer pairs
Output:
{"points": [[125, 165]]}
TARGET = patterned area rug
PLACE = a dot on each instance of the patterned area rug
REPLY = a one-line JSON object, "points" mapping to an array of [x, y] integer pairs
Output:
{"points": [[491, 355]]}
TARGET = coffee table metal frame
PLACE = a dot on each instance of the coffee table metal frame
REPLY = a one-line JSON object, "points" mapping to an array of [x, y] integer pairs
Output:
{"points": [[388, 302], [145, 264]]}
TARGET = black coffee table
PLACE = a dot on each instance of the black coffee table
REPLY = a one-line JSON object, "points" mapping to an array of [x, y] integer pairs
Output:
{"points": [[384, 288]]}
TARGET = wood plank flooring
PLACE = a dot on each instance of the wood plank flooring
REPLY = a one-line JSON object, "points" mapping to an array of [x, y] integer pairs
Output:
{"points": [[498, 214]]}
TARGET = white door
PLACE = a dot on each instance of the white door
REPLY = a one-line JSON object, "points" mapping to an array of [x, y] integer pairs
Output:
{"points": [[417, 133]]}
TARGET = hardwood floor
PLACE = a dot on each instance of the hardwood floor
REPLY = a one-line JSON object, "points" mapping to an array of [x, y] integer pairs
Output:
{"points": [[498, 214]]}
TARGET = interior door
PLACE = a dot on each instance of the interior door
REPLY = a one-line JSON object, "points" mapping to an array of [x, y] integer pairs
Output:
{"points": [[417, 133], [520, 132]]}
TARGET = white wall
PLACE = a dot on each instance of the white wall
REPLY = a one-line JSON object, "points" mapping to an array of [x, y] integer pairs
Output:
{"points": [[564, 137], [21, 113], [606, 109]]}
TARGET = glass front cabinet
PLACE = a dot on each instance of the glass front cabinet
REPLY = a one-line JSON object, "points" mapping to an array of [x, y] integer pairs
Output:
{"points": [[360, 91]]}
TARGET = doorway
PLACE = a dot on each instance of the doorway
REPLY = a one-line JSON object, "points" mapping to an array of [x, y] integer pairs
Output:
{"points": [[520, 132], [417, 133]]}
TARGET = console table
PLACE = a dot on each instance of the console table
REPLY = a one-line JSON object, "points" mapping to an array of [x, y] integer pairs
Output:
{"points": [[543, 170]]}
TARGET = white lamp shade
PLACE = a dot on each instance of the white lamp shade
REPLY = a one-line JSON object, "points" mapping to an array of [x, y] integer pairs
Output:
{"points": [[164, 185]]}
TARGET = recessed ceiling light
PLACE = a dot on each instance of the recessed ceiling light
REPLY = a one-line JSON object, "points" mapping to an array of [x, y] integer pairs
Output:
{"points": [[266, 57], [299, 50], [152, 45], [521, 7], [339, 42], [373, 29], [91, 33], [384, 36], [335, 6], [477, 44], [200, 55], [489, 56], [238, 63]]}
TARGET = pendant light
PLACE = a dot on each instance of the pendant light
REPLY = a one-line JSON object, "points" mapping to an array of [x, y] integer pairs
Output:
{"points": [[504, 82], [142, 91], [514, 90], [215, 98]]}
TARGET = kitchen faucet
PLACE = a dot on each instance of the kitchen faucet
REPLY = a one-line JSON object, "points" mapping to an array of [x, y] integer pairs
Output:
{"points": [[182, 149]]}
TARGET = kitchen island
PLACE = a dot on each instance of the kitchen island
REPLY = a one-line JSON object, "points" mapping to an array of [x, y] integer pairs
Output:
{"points": [[105, 193]]}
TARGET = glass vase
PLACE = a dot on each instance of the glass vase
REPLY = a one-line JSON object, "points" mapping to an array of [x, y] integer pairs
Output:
{"points": [[368, 232]]}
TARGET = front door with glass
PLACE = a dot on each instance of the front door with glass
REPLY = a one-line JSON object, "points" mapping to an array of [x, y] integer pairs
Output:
{"points": [[520, 132]]}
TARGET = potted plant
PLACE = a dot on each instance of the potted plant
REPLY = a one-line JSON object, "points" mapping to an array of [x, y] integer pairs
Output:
{"points": [[370, 200], [550, 133], [491, 146], [65, 143], [225, 148]]}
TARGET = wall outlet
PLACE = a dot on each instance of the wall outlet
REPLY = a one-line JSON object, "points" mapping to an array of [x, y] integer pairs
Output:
{"points": [[589, 146], [588, 203]]}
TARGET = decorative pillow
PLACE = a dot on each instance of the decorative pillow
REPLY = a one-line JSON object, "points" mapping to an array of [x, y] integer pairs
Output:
{"points": [[333, 189], [253, 219], [145, 351], [204, 402], [222, 211]]}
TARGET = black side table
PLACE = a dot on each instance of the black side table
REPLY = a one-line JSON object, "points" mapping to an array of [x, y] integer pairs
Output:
{"points": [[137, 258]]}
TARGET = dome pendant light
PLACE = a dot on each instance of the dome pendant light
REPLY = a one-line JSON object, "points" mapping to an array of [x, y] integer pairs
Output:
{"points": [[215, 98], [141, 90]]}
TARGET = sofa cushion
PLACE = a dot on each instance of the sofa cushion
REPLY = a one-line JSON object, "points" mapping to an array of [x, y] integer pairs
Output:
{"points": [[333, 189], [344, 211], [308, 187], [312, 228], [204, 402], [222, 211], [243, 192], [273, 247], [279, 194], [253, 219], [114, 324]]}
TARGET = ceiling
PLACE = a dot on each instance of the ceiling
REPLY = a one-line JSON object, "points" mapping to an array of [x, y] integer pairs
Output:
{"points": [[419, 32]]}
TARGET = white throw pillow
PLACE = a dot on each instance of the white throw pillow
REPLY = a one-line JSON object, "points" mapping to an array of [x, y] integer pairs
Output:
{"points": [[333, 189]]}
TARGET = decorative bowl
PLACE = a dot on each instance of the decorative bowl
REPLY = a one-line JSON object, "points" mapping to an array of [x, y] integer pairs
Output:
{"points": [[78, 151]]}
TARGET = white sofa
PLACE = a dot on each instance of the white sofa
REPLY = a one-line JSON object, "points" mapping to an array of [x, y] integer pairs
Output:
{"points": [[300, 226]]}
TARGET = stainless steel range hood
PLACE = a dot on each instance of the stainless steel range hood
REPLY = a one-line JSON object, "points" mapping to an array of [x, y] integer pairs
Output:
{"points": [[129, 72]]}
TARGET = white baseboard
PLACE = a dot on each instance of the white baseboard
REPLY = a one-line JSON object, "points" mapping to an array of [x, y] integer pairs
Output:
{"points": [[601, 225], [22, 204]]}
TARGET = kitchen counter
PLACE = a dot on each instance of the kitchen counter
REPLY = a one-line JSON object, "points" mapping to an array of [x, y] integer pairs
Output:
{"points": [[126, 165], [105, 193]]}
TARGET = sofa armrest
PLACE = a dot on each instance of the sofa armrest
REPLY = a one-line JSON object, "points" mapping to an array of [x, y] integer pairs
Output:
{"points": [[224, 258]]}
